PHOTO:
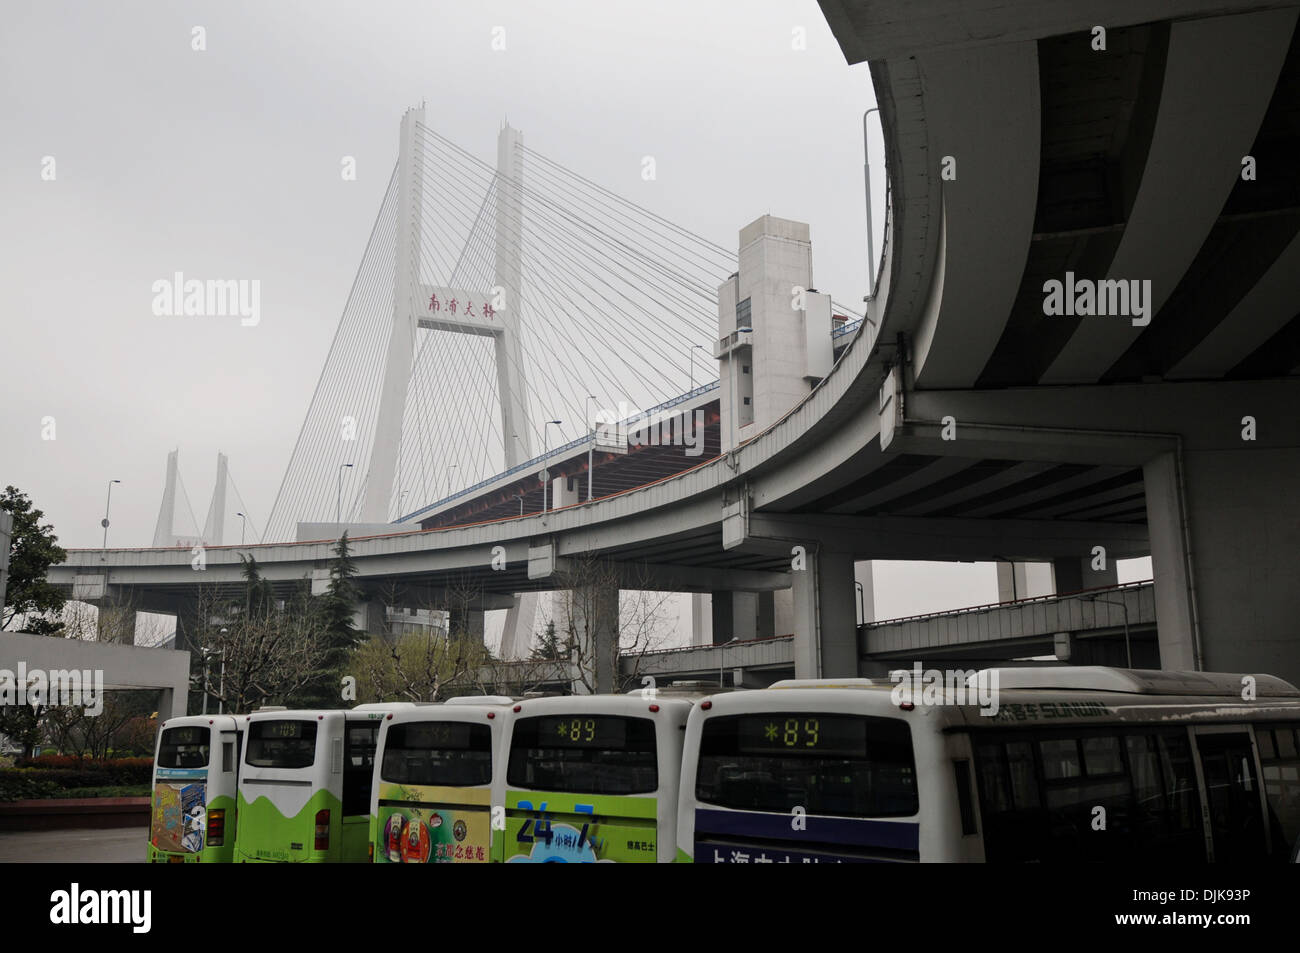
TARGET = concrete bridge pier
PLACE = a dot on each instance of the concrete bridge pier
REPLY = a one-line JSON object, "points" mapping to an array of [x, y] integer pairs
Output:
{"points": [[591, 613], [825, 616], [466, 622], [1225, 559]]}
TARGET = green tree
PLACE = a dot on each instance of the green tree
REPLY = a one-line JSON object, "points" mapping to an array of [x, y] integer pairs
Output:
{"points": [[32, 551], [549, 646]]}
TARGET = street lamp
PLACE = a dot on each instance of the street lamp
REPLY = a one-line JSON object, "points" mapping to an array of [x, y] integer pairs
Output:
{"points": [[691, 353], [723, 655], [521, 504], [590, 448], [1128, 648], [107, 504], [207, 651], [242, 526], [546, 449], [338, 499], [862, 605]]}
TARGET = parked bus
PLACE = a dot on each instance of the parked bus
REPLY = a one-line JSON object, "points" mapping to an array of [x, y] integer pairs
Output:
{"points": [[1072, 764], [195, 774], [304, 788], [431, 798], [591, 778]]}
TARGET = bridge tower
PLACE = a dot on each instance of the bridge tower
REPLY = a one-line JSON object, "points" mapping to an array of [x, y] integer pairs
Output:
{"points": [[164, 533], [418, 304]]}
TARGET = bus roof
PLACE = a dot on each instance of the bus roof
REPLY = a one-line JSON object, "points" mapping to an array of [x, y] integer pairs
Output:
{"points": [[1102, 678], [481, 700], [832, 683]]}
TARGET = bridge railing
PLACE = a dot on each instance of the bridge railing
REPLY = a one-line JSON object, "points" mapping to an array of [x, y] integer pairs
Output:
{"points": [[1012, 603], [582, 441]]}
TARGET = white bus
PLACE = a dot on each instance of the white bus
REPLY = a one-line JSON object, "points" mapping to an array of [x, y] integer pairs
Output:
{"points": [[1076, 764], [591, 778], [304, 787], [431, 798], [195, 774]]}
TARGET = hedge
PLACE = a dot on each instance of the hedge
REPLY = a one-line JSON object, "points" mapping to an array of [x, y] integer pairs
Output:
{"points": [[50, 775]]}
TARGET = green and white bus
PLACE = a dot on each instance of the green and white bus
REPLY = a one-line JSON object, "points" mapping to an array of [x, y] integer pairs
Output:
{"points": [[1069, 765], [591, 779], [304, 786], [431, 799], [195, 775]]}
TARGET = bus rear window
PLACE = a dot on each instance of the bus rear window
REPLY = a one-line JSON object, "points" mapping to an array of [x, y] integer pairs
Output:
{"points": [[451, 753], [281, 744], [584, 754], [833, 765], [185, 747]]}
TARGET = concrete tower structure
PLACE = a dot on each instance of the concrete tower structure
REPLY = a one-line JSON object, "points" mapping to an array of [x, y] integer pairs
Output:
{"points": [[774, 346]]}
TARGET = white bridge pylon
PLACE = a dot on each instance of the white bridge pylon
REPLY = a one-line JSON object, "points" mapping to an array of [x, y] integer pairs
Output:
{"points": [[492, 312]]}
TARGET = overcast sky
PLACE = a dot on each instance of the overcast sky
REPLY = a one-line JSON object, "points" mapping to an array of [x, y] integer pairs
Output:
{"points": [[225, 163]]}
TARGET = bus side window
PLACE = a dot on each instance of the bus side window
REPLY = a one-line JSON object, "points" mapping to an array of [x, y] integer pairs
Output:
{"points": [[1279, 757], [964, 800], [227, 756]]}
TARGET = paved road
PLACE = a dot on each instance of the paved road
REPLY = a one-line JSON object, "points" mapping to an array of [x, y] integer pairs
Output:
{"points": [[78, 846]]}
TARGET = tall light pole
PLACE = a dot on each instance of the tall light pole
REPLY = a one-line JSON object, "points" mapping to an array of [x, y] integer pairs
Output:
{"points": [[546, 449], [1128, 648], [866, 172], [691, 352], [590, 447], [242, 525], [338, 499], [862, 605], [521, 504], [107, 504], [722, 655]]}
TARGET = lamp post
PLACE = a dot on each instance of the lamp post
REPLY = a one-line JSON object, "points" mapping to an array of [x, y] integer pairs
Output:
{"points": [[862, 605], [521, 504], [866, 172], [338, 499], [1128, 648], [590, 448], [107, 504], [691, 352], [546, 449], [242, 526], [722, 657]]}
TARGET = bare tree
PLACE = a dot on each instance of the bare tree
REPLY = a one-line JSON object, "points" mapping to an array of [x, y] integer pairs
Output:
{"points": [[430, 663], [607, 617]]}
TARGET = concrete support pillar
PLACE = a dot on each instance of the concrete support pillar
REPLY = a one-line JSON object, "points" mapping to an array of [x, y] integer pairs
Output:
{"points": [[1237, 584], [723, 617], [1169, 564], [591, 614], [1073, 574], [1012, 581], [862, 576], [371, 617], [766, 627], [565, 491], [189, 628], [825, 612], [466, 623], [172, 703], [701, 618]]}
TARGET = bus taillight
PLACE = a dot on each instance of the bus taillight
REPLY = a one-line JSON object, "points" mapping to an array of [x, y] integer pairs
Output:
{"points": [[216, 827], [323, 830]]}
